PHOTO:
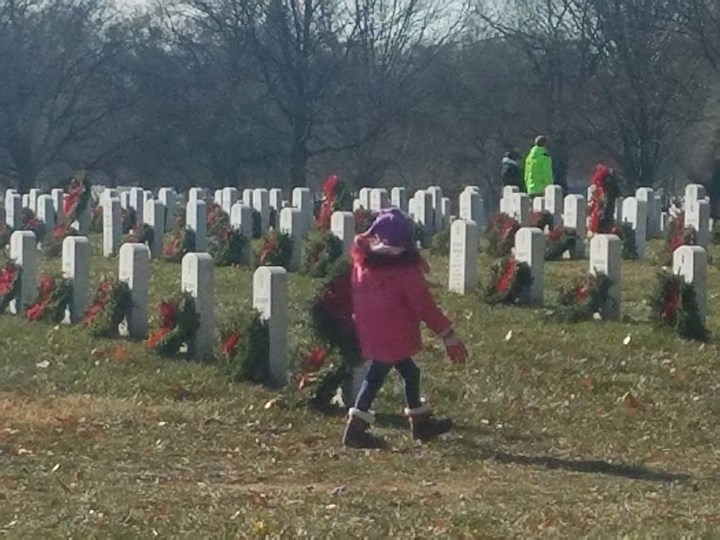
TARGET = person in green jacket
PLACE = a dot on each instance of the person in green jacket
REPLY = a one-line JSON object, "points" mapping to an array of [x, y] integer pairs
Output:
{"points": [[538, 168]]}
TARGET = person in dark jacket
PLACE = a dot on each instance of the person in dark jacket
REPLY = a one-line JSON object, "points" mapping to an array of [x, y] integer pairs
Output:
{"points": [[511, 171]]}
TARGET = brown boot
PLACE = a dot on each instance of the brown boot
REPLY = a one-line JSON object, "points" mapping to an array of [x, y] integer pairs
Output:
{"points": [[424, 426], [357, 431]]}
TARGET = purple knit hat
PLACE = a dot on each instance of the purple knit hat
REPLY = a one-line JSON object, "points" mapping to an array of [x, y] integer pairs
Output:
{"points": [[393, 228]]}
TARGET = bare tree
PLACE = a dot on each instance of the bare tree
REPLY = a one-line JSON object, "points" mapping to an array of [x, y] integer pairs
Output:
{"points": [[55, 68]]}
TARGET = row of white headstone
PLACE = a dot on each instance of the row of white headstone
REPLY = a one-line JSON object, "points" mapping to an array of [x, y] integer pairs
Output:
{"points": [[642, 212], [270, 292], [605, 257]]}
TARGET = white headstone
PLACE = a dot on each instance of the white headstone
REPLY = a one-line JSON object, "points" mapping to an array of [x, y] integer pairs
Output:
{"points": [[25, 201], [378, 199], [58, 197], [342, 225], [13, 208], [229, 197], [33, 195], [292, 224], [530, 249], [357, 205], [247, 197], [302, 199], [241, 220], [463, 274], [134, 269], [694, 192], [276, 199], [606, 258], [576, 218], [554, 203], [261, 203], [76, 267], [518, 207], [196, 220], [218, 197], [425, 215], [697, 215], [690, 262], [198, 278], [436, 196], [445, 212], [647, 195], [196, 194], [45, 211], [270, 299], [412, 209], [507, 194], [147, 196], [538, 204], [125, 200], [619, 210], [364, 196], [399, 198], [471, 208], [155, 217], [112, 227], [168, 198], [23, 252], [137, 203], [635, 213]]}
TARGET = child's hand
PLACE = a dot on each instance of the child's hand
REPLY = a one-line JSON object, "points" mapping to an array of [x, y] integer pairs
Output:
{"points": [[455, 348]]}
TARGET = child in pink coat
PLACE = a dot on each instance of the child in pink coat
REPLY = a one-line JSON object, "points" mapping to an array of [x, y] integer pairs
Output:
{"points": [[390, 300]]}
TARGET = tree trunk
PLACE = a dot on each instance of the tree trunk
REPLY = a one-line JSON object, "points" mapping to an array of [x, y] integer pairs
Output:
{"points": [[298, 164]]}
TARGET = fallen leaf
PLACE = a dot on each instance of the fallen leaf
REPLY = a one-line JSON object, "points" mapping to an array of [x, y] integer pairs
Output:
{"points": [[43, 365], [627, 340], [273, 403], [509, 335], [631, 402], [120, 353]]}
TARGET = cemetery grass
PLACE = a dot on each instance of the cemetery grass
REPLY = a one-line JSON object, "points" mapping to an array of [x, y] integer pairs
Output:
{"points": [[562, 431]]}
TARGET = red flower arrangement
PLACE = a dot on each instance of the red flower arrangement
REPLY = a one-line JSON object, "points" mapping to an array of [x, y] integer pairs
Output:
{"points": [[674, 305], [54, 297], [510, 282], [111, 306], [501, 235], [9, 284], [603, 201], [178, 326]]}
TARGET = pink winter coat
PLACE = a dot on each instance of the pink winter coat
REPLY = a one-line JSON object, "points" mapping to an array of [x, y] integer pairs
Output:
{"points": [[389, 304]]}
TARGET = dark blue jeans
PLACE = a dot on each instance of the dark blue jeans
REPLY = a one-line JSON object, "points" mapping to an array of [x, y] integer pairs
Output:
{"points": [[376, 376]]}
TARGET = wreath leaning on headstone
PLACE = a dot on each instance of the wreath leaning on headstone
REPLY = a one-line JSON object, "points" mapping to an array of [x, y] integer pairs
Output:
{"points": [[674, 305], [321, 249], [276, 250], [678, 235], [54, 298], [501, 235], [559, 241], [330, 362], [179, 323], [246, 351], [509, 283], [112, 305], [587, 296]]}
